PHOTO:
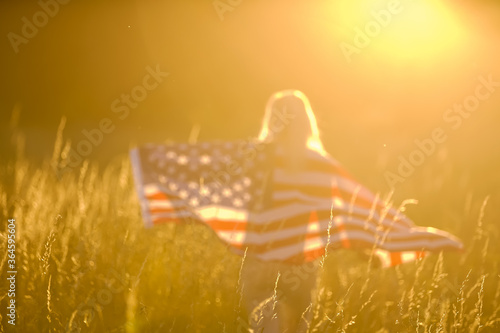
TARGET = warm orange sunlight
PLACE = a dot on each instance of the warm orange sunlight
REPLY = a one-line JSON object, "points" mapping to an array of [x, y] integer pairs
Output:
{"points": [[249, 166], [400, 31]]}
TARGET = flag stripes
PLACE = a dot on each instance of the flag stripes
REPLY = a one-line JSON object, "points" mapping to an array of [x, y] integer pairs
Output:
{"points": [[272, 212]]}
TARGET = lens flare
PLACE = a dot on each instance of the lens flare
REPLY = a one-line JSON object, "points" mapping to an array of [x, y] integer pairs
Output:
{"points": [[399, 30]]}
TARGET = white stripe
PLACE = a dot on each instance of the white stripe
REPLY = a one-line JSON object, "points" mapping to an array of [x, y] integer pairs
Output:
{"points": [[233, 238], [408, 256], [229, 214], [384, 257], [223, 213], [417, 245], [165, 204], [347, 220], [152, 189]]}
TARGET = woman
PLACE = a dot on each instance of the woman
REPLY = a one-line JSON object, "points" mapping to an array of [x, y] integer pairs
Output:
{"points": [[308, 205], [277, 295]]}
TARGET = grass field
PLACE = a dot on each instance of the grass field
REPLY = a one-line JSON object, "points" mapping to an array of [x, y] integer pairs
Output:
{"points": [[86, 264]]}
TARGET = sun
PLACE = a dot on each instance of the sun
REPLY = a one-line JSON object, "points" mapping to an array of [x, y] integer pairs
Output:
{"points": [[424, 30], [398, 30]]}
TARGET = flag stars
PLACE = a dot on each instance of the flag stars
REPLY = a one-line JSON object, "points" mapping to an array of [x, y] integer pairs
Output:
{"points": [[156, 155], [205, 159], [246, 181], [238, 202], [226, 192], [204, 191], [183, 194], [182, 159], [170, 155], [158, 159], [194, 201], [215, 198], [240, 195]]}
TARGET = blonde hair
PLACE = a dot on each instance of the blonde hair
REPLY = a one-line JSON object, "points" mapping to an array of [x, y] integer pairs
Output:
{"points": [[313, 139]]}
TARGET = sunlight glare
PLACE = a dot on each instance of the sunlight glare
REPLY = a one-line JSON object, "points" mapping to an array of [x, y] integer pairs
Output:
{"points": [[413, 30]]}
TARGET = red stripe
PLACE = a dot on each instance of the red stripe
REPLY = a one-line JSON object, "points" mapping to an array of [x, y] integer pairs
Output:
{"points": [[218, 225], [327, 191], [157, 196], [313, 217], [396, 258], [420, 254]]}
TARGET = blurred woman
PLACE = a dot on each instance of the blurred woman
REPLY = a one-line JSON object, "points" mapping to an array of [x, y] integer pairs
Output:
{"points": [[278, 295]]}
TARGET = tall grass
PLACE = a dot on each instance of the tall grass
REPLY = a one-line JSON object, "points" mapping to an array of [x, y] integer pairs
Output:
{"points": [[87, 264]]}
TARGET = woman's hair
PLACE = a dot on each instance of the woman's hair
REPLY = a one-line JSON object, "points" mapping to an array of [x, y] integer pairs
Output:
{"points": [[303, 114]]}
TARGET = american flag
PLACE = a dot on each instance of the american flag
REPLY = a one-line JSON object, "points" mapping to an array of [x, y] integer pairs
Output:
{"points": [[246, 194]]}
